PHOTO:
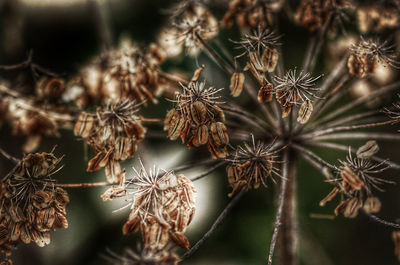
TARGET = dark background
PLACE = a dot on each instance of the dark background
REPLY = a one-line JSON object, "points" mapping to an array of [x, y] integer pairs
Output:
{"points": [[63, 38]]}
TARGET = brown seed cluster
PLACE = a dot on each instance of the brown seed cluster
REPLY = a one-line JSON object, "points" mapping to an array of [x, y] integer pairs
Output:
{"points": [[251, 13], [376, 18], [191, 25], [30, 204], [163, 205], [250, 166], [367, 55], [37, 115], [313, 14], [261, 48], [356, 182], [113, 133], [128, 72], [293, 89], [197, 119]]}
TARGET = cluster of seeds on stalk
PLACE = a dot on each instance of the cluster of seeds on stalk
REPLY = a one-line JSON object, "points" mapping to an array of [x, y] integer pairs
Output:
{"points": [[313, 14], [197, 119], [191, 24], [250, 166], [162, 206], [367, 54], [251, 13], [128, 72], [113, 133], [356, 182], [31, 206]]}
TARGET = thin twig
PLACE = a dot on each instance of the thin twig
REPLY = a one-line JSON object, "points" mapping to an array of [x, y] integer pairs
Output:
{"points": [[282, 194], [360, 135], [215, 225], [84, 185], [208, 172], [345, 148], [314, 156], [344, 128], [381, 221], [360, 101], [8, 156]]}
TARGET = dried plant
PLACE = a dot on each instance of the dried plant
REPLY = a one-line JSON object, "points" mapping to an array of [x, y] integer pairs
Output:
{"points": [[283, 116]]}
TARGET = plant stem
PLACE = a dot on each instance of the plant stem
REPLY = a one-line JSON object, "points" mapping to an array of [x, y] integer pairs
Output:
{"points": [[288, 234], [84, 185], [208, 172], [214, 226]]}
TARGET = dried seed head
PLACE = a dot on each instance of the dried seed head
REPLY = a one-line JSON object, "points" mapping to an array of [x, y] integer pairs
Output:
{"points": [[376, 18], [250, 166], [113, 133], [50, 88], [31, 205], [162, 207], [313, 14], [193, 26], [198, 119], [366, 55], [295, 90], [251, 13]]}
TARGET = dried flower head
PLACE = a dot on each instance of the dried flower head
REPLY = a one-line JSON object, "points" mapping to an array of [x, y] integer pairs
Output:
{"points": [[251, 165], [293, 89], [357, 181], [128, 72], [250, 13], [31, 204], [375, 18], [193, 27], [162, 206], [113, 133], [367, 54], [314, 14], [198, 119]]}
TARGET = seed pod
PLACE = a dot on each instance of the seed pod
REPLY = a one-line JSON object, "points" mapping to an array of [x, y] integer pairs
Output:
{"points": [[351, 178], [372, 205], [352, 207], [236, 86], [202, 134], [396, 240], [265, 93], [175, 126], [305, 111], [219, 133], [50, 88], [329, 197], [218, 114], [198, 112], [362, 65], [255, 61], [286, 110], [84, 125], [369, 149], [269, 59]]}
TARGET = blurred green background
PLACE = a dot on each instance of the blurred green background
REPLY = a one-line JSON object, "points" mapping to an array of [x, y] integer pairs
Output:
{"points": [[63, 37]]}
